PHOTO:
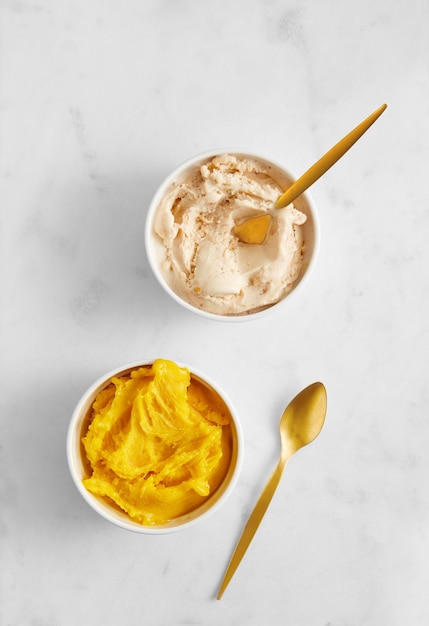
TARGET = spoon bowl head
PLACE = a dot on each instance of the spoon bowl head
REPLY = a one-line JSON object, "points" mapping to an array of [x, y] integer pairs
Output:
{"points": [[303, 418]]}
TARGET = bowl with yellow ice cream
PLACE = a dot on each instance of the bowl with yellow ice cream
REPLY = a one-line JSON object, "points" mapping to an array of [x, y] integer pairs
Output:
{"points": [[193, 244], [154, 447]]}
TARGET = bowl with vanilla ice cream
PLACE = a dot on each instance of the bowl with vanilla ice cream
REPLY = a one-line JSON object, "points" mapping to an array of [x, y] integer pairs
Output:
{"points": [[193, 249], [155, 446]]}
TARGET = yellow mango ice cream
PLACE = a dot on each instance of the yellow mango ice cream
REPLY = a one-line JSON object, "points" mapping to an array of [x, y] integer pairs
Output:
{"points": [[158, 443]]}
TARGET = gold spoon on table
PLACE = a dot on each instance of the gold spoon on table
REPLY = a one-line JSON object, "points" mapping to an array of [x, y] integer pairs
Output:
{"points": [[255, 229], [301, 422]]}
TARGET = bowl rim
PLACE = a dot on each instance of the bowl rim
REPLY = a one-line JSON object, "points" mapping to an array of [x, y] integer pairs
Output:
{"points": [[245, 317], [74, 459]]}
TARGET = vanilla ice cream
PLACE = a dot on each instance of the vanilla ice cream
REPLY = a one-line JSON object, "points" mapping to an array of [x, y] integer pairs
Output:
{"points": [[201, 258]]}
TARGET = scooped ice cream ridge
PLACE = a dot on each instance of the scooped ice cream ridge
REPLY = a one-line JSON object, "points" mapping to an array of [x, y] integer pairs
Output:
{"points": [[202, 259]]}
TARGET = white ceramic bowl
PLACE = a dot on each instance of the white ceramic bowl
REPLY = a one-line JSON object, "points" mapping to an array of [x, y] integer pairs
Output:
{"points": [[78, 467], [311, 230]]}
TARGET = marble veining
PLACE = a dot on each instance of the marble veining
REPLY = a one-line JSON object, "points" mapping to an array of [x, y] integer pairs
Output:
{"points": [[98, 102]]}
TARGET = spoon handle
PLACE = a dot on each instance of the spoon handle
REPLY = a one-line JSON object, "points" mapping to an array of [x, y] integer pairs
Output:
{"points": [[327, 160], [252, 525]]}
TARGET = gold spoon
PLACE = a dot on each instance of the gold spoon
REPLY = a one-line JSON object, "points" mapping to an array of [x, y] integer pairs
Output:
{"points": [[301, 422], [255, 230]]}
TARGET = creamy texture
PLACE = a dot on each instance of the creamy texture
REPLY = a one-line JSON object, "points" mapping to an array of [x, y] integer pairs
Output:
{"points": [[201, 258], [158, 443]]}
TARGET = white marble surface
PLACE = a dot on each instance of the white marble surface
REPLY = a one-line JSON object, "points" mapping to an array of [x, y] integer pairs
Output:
{"points": [[99, 100]]}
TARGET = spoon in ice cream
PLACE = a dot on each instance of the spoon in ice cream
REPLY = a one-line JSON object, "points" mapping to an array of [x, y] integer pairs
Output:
{"points": [[255, 229], [301, 422]]}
